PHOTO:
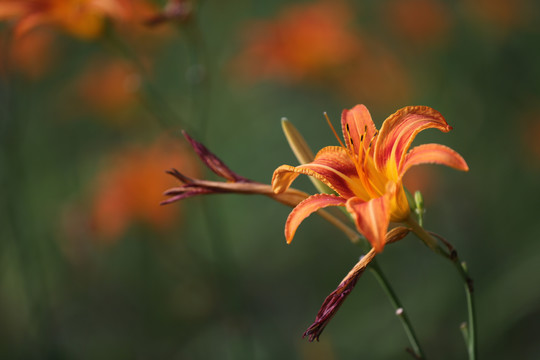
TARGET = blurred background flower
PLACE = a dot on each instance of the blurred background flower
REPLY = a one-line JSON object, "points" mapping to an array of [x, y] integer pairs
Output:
{"points": [[32, 55], [85, 19], [126, 190], [110, 87], [302, 43]]}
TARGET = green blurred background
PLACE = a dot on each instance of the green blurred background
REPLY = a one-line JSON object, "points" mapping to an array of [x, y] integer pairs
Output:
{"points": [[92, 268]]}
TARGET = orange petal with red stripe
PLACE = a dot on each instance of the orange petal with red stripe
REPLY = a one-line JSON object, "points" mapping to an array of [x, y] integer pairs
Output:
{"points": [[332, 166], [306, 208], [399, 130], [372, 219]]}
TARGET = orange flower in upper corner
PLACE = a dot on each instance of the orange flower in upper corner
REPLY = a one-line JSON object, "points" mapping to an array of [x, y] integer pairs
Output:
{"points": [[82, 18], [367, 172]]}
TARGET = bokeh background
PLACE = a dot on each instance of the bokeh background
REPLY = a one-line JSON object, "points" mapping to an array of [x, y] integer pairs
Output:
{"points": [[92, 103]]}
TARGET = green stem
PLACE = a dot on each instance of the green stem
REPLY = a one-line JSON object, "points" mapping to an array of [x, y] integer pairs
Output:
{"points": [[198, 75], [400, 311], [469, 291], [428, 239]]}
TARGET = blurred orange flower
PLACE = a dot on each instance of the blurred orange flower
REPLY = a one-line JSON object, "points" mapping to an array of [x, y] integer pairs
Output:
{"points": [[110, 87], [317, 42], [304, 41], [32, 55], [500, 14], [82, 18], [421, 22], [129, 189], [135, 30]]}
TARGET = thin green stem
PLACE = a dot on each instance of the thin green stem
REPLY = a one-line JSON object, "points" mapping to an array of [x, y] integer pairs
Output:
{"points": [[151, 96], [430, 240], [400, 311], [469, 291], [198, 73]]}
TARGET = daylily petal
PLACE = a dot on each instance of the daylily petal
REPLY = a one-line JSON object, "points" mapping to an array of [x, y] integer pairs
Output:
{"points": [[399, 205], [433, 154], [306, 208], [332, 166], [372, 218], [399, 130], [283, 178], [356, 123]]}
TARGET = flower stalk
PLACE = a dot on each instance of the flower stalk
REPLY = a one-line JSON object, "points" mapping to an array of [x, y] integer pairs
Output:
{"points": [[416, 349], [430, 239]]}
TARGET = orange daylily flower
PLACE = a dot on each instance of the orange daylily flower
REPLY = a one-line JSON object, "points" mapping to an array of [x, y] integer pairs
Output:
{"points": [[367, 172]]}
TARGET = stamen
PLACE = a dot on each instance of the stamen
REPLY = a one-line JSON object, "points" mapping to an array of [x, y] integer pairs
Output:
{"points": [[334, 130], [373, 138]]}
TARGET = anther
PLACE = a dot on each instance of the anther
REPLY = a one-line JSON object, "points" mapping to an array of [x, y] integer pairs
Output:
{"points": [[349, 134]]}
